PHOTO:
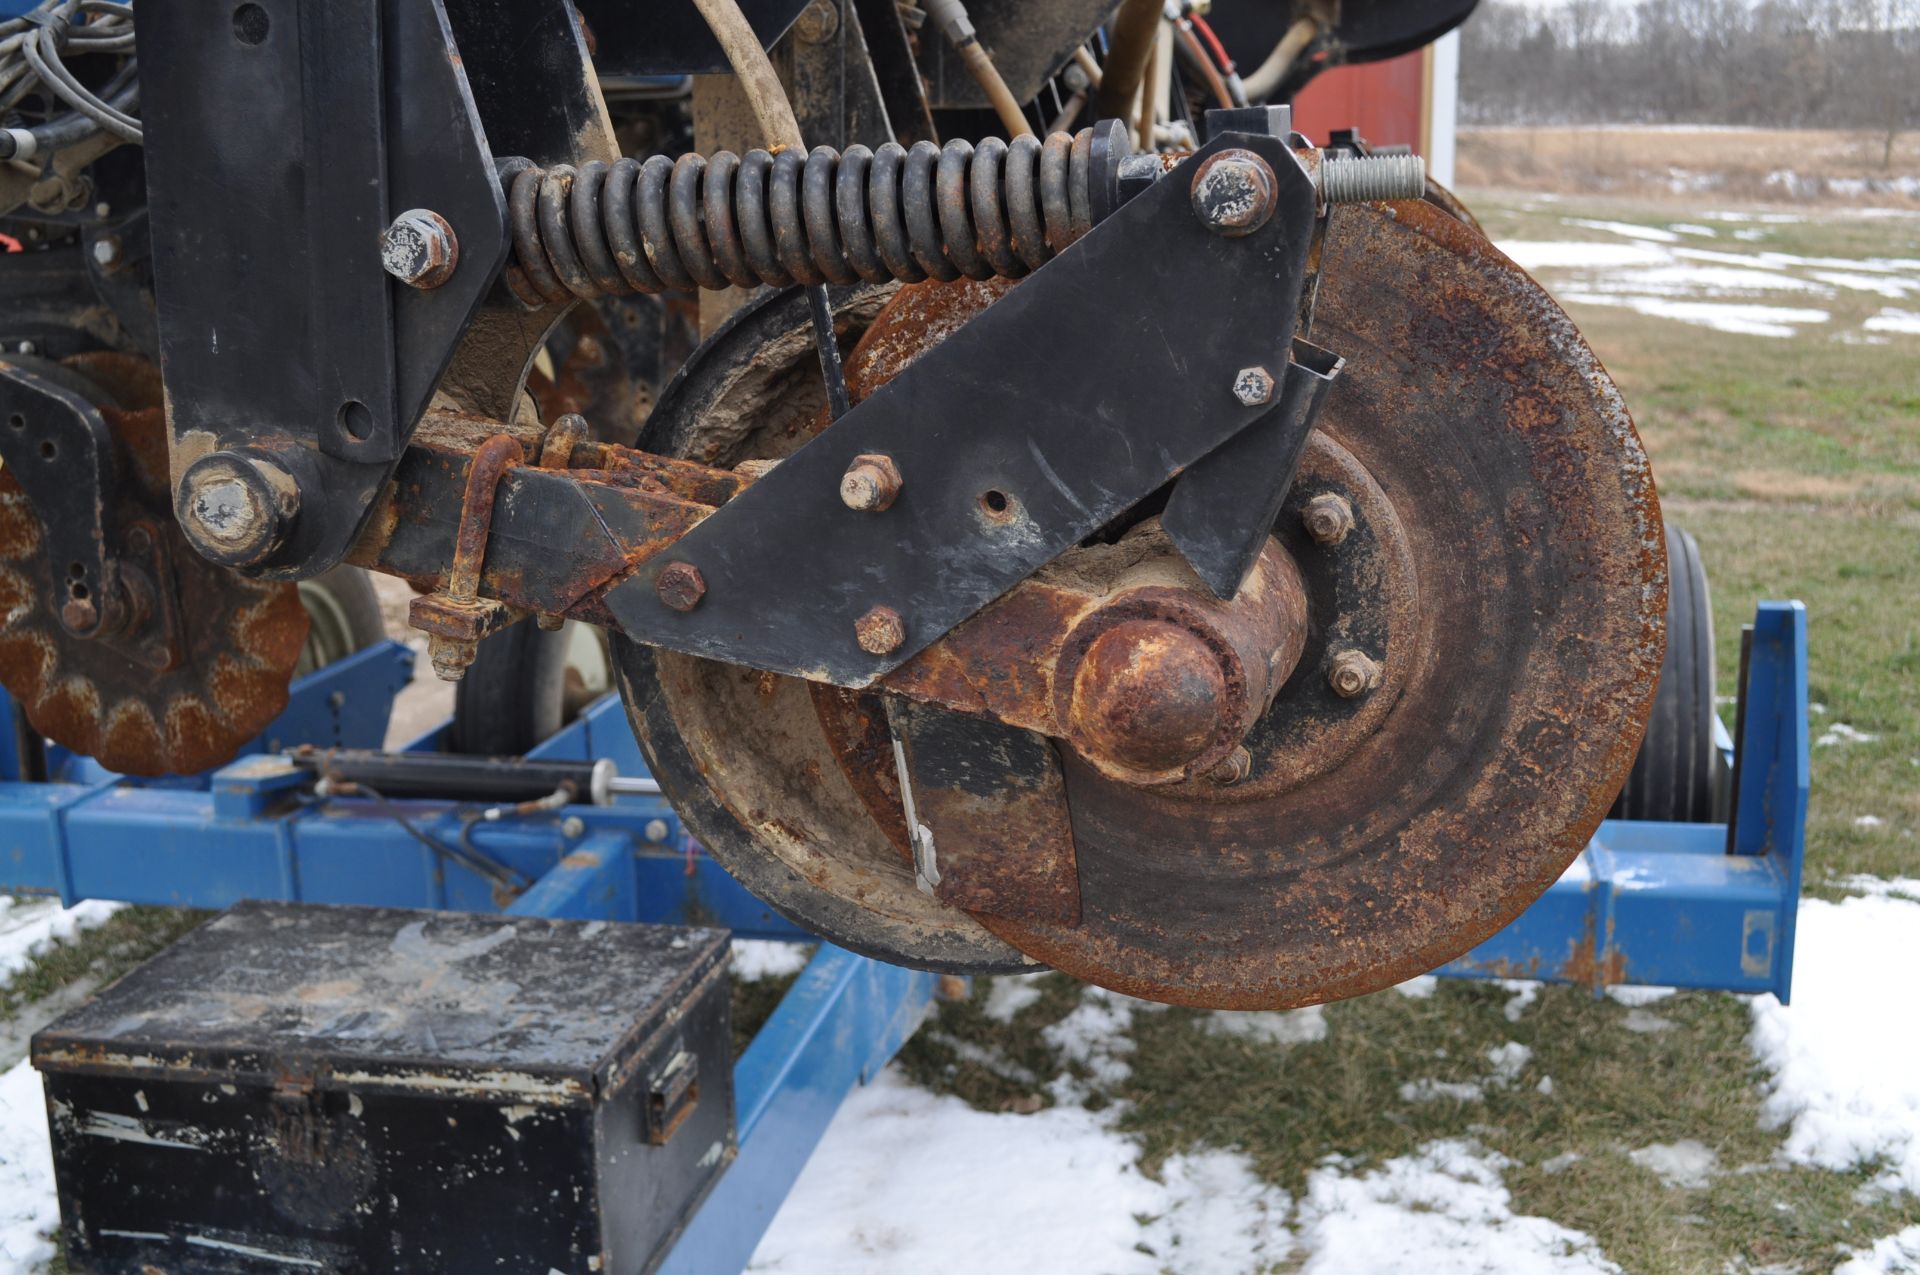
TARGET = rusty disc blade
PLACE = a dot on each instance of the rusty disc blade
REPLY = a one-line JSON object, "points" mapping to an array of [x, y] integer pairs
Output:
{"points": [[234, 641], [1510, 525]]}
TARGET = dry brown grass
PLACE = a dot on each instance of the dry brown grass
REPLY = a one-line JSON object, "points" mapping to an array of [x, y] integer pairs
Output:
{"points": [[1673, 163]]}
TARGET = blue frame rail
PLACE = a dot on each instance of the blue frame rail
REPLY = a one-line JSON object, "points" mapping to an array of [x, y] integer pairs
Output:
{"points": [[1689, 905]]}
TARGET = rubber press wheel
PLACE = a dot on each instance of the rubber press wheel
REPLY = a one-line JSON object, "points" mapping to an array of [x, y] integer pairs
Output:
{"points": [[343, 614], [1672, 778], [525, 684]]}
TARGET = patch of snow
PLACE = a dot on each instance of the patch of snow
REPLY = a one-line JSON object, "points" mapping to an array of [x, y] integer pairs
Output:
{"points": [[1532, 255], [1700, 232], [1896, 1255], [1868, 821], [1646, 1022], [1282, 1027], [1899, 887], [1562, 1162], [1841, 733], [1509, 1060], [1545, 1087], [29, 927], [1779, 322], [1625, 230], [1635, 996], [1061, 1189], [1419, 989], [1524, 994], [1442, 1211], [1905, 322], [1686, 1165], [1438, 1090], [1843, 1077], [1095, 1036], [1891, 288], [1008, 994], [29, 1210], [755, 959]]}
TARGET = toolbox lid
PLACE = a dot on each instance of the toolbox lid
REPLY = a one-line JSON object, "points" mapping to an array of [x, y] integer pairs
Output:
{"points": [[454, 1005]]}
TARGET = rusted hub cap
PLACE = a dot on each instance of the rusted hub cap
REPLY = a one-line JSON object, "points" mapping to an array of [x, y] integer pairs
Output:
{"points": [[1148, 695], [139, 705]]}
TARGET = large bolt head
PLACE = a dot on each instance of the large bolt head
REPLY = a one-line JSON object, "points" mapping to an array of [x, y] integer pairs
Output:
{"points": [[1253, 386], [1234, 193], [680, 586], [1353, 674], [420, 249], [236, 508], [1328, 518], [880, 631], [871, 483]]}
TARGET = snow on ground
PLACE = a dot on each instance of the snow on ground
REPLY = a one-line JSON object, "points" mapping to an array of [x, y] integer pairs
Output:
{"points": [[907, 1180], [1895, 1255], [28, 1210], [1685, 1164], [1008, 994], [755, 959], [1441, 1211], [29, 926], [1650, 271], [1844, 1080], [1285, 1027]]}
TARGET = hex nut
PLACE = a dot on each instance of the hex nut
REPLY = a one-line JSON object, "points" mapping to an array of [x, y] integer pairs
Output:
{"points": [[680, 586], [817, 22], [451, 656], [880, 631], [1353, 674], [420, 249], [1328, 518], [1235, 769], [656, 830], [1253, 386], [871, 484], [1234, 193]]}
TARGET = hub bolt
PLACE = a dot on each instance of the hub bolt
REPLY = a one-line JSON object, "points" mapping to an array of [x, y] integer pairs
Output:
{"points": [[1235, 769], [880, 631], [1353, 674], [236, 508], [1234, 193], [1329, 518], [871, 483], [420, 249], [1253, 386], [680, 586]]}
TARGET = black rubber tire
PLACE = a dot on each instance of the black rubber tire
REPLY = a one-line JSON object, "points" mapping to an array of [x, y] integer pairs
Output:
{"points": [[1672, 780], [514, 695], [344, 615]]}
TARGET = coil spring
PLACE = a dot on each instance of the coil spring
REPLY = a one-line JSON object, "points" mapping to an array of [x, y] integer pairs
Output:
{"points": [[725, 220]]}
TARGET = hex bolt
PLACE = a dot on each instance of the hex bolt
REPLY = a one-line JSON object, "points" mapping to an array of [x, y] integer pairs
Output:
{"points": [[573, 827], [680, 586], [236, 508], [80, 615], [880, 631], [1353, 674], [1234, 193], [1235, 769], [817, 22], [1253, 386], [420, 249], [106, 251], [656, 830], [871, 484], [1328, 518]]}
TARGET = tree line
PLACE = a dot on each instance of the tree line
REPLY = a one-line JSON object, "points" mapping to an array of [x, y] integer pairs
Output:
{"points": [[1851, 64]]}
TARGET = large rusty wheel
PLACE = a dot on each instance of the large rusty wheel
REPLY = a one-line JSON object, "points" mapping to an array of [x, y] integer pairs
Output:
{"points": [[132, 706], [1505, 571]]}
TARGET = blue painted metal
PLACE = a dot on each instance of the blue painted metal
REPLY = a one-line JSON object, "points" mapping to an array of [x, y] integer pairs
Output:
{"points": [[1662, 904]]}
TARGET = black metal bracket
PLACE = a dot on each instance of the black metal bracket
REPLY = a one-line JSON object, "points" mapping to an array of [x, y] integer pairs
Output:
{"points": [[60, 451], [1110, 371], [282, 139]]}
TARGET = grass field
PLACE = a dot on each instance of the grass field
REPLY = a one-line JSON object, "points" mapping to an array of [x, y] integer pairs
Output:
{"points": [[1796, 461]]}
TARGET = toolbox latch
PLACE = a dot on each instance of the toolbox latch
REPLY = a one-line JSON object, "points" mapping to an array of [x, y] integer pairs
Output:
{"points": [[672, 1093]]}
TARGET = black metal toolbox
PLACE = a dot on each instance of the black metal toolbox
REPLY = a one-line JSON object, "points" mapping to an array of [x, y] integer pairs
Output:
{"points": [[295, 1088]]}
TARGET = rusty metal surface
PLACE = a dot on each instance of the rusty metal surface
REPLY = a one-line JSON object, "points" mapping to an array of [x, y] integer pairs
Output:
{"points": [[1527, 509], [990, 807], [234, 641]]}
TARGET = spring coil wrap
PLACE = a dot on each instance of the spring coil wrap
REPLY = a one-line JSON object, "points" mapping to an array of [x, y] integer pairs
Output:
{"points": [[726, 220]]}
